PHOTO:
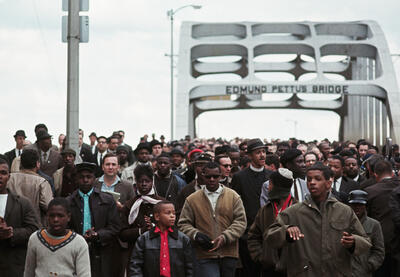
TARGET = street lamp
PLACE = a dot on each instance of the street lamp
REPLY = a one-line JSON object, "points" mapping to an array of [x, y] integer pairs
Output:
{"points": [[170, 14]]}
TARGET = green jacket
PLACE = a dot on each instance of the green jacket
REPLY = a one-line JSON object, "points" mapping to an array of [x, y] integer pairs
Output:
{"points": [[259, 250], [365, 265], [320, 252]]}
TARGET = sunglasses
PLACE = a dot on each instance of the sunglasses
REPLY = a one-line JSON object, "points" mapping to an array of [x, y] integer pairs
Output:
{"points": [[211, 176]]}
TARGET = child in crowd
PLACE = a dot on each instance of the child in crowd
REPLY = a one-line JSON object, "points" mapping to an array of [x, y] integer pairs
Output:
{"points": [[162, 251], [57, 251]]}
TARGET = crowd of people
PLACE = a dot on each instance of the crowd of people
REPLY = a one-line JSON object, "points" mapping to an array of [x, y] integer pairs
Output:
{"points": [[198, 207]]}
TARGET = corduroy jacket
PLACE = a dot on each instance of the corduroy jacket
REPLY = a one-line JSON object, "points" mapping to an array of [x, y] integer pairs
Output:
{"points": [[228, 219]]}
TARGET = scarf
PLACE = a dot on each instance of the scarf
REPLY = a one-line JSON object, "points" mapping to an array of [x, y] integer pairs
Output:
{"points": [[287, 204], [136, 206]]}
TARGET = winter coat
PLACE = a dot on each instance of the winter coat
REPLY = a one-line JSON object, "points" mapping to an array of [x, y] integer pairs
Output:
{"points": [[228, 219], [145, 260], [320, 252]]}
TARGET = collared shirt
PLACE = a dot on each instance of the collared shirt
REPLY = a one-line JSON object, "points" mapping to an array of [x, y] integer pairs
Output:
{"points": [[18, 152], [297, 185], [106, 188], [3, 204], [356, 178], [165, 268], [336, 184], [261, 169], [213, 195], [45, 156], [87, 217], [100, 156]]}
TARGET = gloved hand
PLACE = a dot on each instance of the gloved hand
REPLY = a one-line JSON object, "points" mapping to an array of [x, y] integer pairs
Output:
{"points": [[203, 241]]}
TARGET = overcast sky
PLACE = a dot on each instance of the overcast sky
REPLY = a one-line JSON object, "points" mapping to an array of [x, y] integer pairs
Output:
{"points": [[124, 74]]}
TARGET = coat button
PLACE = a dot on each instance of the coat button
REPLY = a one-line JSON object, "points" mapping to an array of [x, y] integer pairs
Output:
{"points": [[305, 267]]}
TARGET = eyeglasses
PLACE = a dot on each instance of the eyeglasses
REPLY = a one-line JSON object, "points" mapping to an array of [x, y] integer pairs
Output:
{"points": [[227, 165], [211, 176]]}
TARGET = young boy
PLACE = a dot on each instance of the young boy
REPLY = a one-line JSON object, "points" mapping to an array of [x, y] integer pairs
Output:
{"points": [[162, 251], [56, 251]]}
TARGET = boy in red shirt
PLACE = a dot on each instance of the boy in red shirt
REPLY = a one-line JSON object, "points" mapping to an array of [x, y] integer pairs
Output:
{"points": [[163, 250]]}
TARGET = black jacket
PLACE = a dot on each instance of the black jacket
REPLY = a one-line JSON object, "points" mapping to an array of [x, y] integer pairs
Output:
{"points": [[346, 186], [21, 216], [10, 156], [106, 222], [378, 207], [145, 260], [247, 183], [394, 204]]}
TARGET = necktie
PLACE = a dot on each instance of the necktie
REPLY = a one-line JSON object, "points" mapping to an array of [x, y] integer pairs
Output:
{"points": [[101, 158], [87, 221], [19, 152], [334, 185], [44, 156], [296, 192]]}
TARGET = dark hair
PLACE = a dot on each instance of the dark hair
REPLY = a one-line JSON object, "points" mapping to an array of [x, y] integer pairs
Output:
{"points": [[346, 153], [29, 158], [211, 165], [363, 142], [112, 137], [141, 170], [163, 155], [326, 171], [110, 155], [372, 161], [272, 159], [242, 144], [157, 207], [244, 161], [382, 167], [60, 201], [40, 126], [3, 161], [337, 157], [219, 157], [102, 137], [283, 143], [220, 150]]}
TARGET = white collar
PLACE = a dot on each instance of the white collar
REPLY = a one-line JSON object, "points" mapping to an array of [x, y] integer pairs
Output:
{"points": [[256, 169], [218, 191]]}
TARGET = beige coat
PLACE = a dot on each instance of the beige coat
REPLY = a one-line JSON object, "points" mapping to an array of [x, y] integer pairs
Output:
{"points": [[29, 184], [58, 178]]}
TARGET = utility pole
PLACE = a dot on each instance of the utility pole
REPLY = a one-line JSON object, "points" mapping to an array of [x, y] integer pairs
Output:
{"points": [[73, 38], [171, 12]]}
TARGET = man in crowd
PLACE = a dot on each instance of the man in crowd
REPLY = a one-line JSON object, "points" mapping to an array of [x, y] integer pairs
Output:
{"points": [[85, 151], [197, 184], [368, 263], [17, 222], [142, 153], [166, 183], [378, 208], [225, 166], [29, 184], [339, 232], [178, 160], [247, 183], [394, 204], [272, 162], [19, 138], [131, 156], [64, 178], [342, 185], [352, 170], [94, 215], [282, 147], [113, 143], [310, 158], [216, 237], [362, 149], [93, 140], [156, 148], [111, 183], [50, 160], [280, 199], [123, 155], [234, 155], [101, 151]]}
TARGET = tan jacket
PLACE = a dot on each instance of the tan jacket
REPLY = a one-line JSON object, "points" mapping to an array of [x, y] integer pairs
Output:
{"points": [[320, 252], [228, 219], [58, 179], [29, 184]]}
